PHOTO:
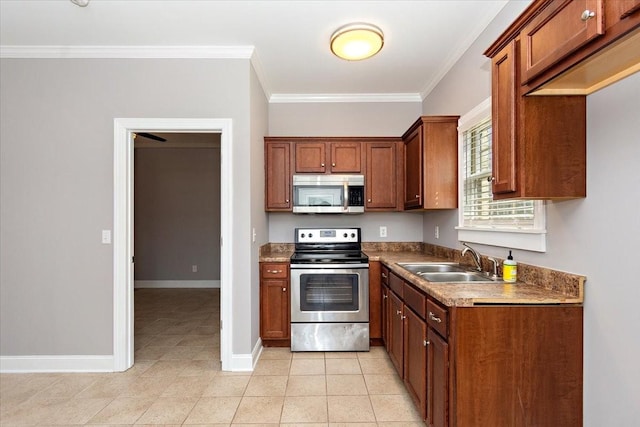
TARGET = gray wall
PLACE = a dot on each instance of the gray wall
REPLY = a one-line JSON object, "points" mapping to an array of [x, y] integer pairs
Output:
{"points": [[177, 213], [345, 119], [596, 236], [56, 281]]}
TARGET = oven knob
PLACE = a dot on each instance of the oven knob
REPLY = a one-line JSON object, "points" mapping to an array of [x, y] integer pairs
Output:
{"points": [[302, 235], [353, 235], [310, 235], [345, 234]]}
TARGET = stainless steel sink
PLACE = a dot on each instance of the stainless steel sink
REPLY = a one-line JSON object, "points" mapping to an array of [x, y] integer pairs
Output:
{"points": [[449, 272], [458, 276], [431, 267]]}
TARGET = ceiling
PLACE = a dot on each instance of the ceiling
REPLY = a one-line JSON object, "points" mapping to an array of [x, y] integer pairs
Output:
{"points": [[287, 41]]}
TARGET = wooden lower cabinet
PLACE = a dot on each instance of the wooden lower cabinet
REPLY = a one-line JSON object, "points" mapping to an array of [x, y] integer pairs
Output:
{"points": [[493, 365], [396, 333], [437, 380], [415, 359], [274, 304]]}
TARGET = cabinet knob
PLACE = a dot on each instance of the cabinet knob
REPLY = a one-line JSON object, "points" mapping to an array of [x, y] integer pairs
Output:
{"points": [[426, 342], [333, 164], [403, 317], [384, 297], [322, 164], [384, 275], [398, 312], [274, 271], [587, 14], [284, 289], [368, 200], [491, 178], [417, 196], [287, 201]]}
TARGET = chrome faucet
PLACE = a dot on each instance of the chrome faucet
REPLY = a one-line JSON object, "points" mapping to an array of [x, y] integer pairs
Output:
{"points": [[476, 257]]}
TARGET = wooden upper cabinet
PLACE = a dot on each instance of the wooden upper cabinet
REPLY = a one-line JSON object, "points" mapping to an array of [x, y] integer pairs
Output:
{"points": [[328, 157], [345, 157], [574, 47], [278, 176], [310, 157], [538, 142], [561, 28], [504, 98], [431, 163], [382, 174]]}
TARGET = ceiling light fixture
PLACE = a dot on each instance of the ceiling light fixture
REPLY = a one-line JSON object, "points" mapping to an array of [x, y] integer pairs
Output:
{"points": [[354, 42]]}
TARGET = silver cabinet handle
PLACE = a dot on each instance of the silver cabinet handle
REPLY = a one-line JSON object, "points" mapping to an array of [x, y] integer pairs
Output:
{"points": [[384, 296], [398, 312], [587, 14], [287, 201], [284, 289], [322, 164], [491, 178], [333, 164], [274, 271], [403, 317], [434, 318], [368, 200], [384, 275], [426, 342], [417, 196]]}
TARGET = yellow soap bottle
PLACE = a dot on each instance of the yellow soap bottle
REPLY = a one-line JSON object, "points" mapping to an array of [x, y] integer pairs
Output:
{"points": [[509, 270]]}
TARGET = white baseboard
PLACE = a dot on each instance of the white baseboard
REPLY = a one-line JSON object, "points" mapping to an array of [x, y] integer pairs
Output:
{"points": [[17, 364], [246, 362], [176, 284]]}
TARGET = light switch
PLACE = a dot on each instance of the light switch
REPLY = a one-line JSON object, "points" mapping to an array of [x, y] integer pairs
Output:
{"points": [[106, 237]]}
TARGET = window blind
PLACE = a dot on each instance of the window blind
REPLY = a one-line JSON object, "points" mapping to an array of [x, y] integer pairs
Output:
{"points": [[479, 208]]}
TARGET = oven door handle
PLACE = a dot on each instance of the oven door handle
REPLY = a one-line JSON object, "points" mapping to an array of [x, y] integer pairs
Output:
{"points": [[312, 266]]}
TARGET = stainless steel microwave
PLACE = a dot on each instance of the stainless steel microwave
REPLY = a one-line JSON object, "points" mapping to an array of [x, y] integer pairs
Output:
{"points": [[328, 193]]}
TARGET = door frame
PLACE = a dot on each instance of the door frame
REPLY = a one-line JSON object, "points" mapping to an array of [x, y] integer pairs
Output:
{"points": [[124, 128]]}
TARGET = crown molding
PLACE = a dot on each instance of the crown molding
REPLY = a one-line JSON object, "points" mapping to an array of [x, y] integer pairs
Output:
{"points": [[293, 98], [123, 52]]}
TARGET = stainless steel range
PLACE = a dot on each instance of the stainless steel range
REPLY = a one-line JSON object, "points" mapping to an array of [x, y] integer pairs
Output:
{"points": [[329, 291]]}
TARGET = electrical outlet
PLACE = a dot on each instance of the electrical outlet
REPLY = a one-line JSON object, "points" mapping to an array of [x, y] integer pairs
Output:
{"points": [[106, 237], [383, 231], [194, 268], [437, 232]]}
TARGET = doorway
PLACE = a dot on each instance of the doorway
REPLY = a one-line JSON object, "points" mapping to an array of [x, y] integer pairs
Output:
{"points": [[124, 130]]}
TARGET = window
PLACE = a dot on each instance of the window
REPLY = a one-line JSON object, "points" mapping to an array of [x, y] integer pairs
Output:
{"points": [[509, 223]]}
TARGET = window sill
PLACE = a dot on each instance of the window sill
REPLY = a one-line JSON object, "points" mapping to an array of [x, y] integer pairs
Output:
{"points": [[529, 240]]}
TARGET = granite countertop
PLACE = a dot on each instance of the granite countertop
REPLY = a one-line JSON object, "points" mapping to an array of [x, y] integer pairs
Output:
{"points": [[536, 285], [472, 294]]}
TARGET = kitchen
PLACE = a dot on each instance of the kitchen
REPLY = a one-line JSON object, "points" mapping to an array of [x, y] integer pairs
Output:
{"points": [[595, 236]]}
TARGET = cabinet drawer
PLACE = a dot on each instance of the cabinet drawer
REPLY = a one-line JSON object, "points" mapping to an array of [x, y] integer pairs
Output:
{"points": [[275, 270], [437, 318], [396, 284], [414, 299]]}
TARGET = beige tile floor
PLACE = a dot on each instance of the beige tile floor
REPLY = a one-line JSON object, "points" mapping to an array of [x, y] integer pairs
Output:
{"points": [[176, 380]]}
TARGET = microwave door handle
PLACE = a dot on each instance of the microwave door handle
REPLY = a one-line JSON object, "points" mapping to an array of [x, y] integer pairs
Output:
{"points": [[346, 195]]}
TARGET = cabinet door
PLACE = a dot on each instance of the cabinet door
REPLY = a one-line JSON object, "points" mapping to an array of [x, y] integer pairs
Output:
{"points": [[386, 307], [504, 119], [437, 380], [381, 175], [310, 157], [274, 309], [396, 332], [278, 176], [413, 192], [345, 157], [561, 28], [375, 302], [415, 359]]}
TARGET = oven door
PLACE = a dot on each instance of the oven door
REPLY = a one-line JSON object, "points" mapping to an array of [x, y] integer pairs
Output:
{"points": [[329, 294]]}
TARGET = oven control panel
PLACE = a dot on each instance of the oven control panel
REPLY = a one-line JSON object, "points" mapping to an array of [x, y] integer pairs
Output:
{"points": [[327, 235]]}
